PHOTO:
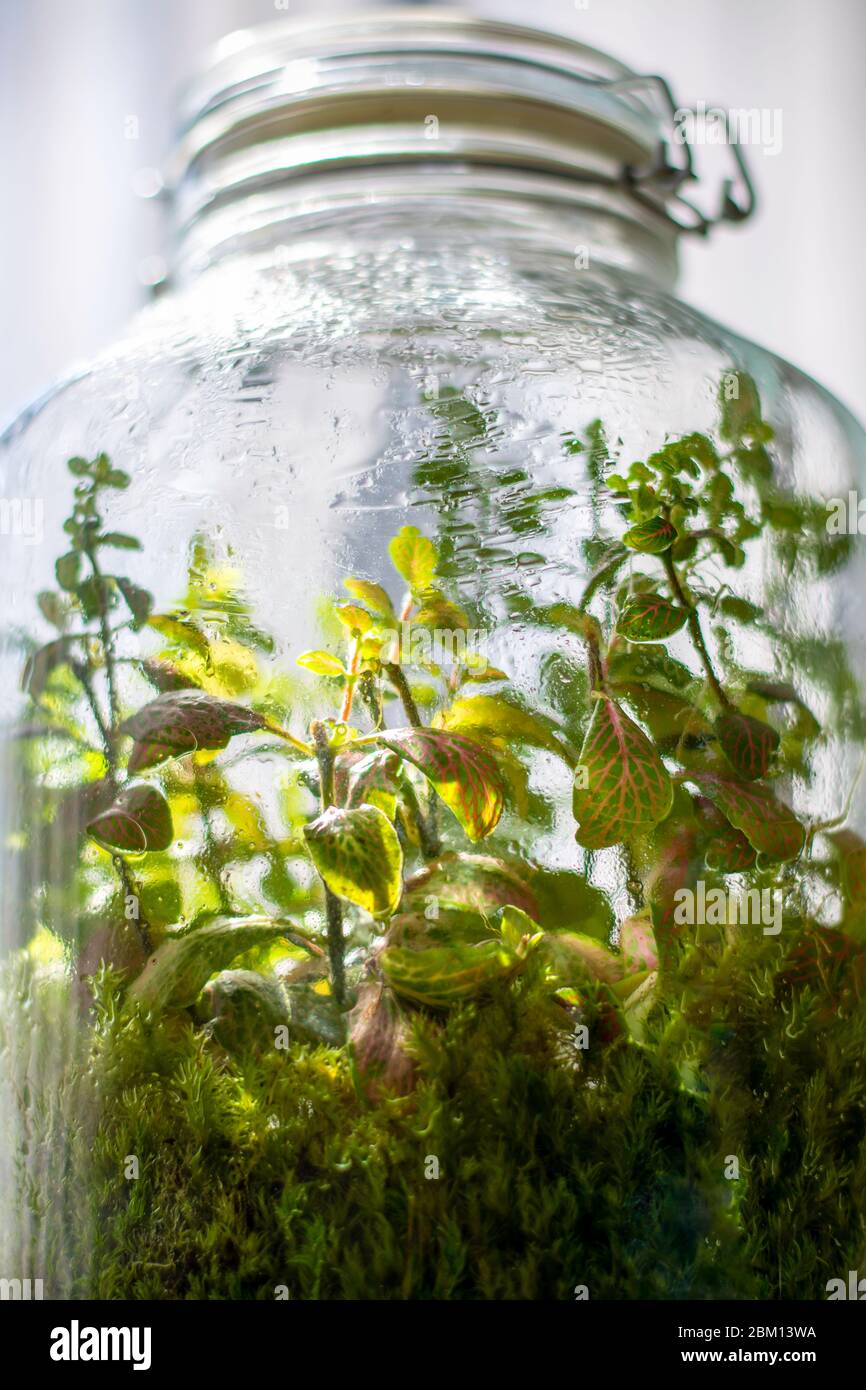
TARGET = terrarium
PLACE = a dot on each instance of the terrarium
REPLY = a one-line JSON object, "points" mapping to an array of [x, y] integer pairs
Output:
{"points": [[433, 721]]}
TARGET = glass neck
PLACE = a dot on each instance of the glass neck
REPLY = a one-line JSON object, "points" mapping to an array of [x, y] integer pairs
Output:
{"points": [[484, 212]]}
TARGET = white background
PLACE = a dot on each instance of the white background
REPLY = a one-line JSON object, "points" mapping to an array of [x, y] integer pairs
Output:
{"points": [[73, 234]]}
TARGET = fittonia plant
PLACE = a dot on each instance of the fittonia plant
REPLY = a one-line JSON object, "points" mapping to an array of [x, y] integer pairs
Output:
{"points": [[683, 773]]}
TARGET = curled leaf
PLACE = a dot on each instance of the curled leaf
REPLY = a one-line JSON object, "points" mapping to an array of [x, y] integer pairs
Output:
{"points": [[372, 596], [182, 721], [378, 1034], [180, 967], [476, 881], [137, 821]]}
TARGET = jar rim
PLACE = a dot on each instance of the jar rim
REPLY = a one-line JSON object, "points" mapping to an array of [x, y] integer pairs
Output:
{"points": [[304, 97]]}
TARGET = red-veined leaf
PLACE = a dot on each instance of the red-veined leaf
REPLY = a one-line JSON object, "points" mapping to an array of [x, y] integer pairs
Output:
{"points": [[462, 771], [651, 537], [476, 881], [650, 618], [767, 823], [181, 721], [627, 786], [747, 743]]}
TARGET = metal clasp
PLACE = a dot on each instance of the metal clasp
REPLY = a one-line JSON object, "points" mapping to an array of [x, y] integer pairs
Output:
{"points": [[660, 187]]}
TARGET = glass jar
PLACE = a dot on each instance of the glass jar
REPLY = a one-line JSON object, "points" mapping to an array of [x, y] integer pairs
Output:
{"points": [[433, 780]]}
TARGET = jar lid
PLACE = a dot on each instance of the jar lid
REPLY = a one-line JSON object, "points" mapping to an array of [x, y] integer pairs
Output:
{"points": [[391, 86]]}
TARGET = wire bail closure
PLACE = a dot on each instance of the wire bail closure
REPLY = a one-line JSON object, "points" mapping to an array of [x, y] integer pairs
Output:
{"points": [[659, 187]]}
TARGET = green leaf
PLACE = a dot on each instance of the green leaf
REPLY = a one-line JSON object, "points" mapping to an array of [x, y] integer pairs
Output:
{"points": [[463, 773], [181, 966], [358, 855], [68, 571], [650, 618], [372, 596], [783, 693], [442, 976], [182, 721], [414, 557], [137, 821], [321, 663], [493, 714], [53, 608], [42, 662], [476, 881], [627, 786], [727, 851], [651, 537], [79, 467], [767, 823], [437, 611], [739, 608], [179, 629], [118, 540], [138, 600], [355, 618], [747, 743], [372, 780], [572, 956], [94, 594]]}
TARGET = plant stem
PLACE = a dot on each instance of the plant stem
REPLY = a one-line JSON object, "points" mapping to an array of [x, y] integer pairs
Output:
{"points": [[351, 680], [428, 833], [85, 677], [106, 638], [597, 673], [694, 625], [401, 685], [333, 910], [370, 696], [130, 891], [428, 827], [296, 743]]}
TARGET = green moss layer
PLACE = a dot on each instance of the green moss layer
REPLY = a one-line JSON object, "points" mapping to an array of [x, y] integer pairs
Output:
{"points": [[557, 1168]]}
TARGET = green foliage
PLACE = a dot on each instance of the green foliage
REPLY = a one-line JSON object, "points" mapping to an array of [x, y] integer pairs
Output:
{"points": [[580, 1071]]}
